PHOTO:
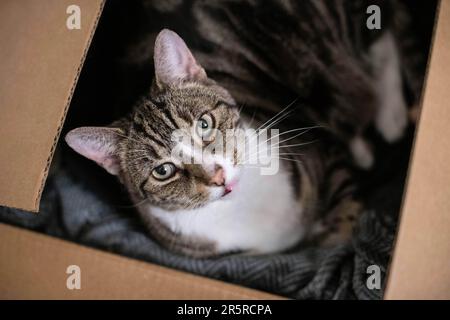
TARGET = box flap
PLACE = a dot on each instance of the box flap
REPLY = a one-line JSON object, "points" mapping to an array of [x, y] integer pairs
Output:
{"points": [[420, 265], [40, 63], [34, 267]]}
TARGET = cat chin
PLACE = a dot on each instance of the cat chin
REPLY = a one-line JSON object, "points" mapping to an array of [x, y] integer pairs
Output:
{"points": [[217, 193]]}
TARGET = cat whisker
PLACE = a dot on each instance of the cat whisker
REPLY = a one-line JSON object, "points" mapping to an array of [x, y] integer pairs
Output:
{"points": [[296, 144], [291, 154], [290, 159], [276, 121], [277, 146], [277, 118], [240, 109], [278, 155], [306, 129], [277, 115], [298, 135], [252, 118]]}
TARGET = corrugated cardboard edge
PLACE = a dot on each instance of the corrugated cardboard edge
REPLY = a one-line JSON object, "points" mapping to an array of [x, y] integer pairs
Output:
{"points": [[33, 266], [40, 59], [405, 279], [66, 107]]}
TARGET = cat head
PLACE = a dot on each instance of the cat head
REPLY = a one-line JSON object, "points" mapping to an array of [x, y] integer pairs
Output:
{"points": [[140, 148]]}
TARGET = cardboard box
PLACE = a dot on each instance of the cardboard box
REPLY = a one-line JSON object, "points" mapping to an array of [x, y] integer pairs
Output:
{"points": [[41, 62]]}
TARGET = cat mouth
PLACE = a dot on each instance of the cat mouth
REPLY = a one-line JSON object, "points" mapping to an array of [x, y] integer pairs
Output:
{"points": [[229, 187], [227, 191]]}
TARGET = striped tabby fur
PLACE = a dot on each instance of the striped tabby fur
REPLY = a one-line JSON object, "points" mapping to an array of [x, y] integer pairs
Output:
{"points": [[320, 59]]}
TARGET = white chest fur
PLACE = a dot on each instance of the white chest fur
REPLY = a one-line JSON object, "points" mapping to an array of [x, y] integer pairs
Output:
{"points": [[261, 215]]}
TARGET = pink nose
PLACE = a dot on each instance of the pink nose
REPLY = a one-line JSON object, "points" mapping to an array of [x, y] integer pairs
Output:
{"points": [[219, 177]]}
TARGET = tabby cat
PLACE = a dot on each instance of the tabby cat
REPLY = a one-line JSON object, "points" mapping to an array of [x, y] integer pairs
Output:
{"points": [[222, 204]]}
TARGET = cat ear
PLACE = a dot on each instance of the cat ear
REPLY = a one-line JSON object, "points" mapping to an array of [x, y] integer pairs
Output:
{"points": [[98, 144], [174, 63]]}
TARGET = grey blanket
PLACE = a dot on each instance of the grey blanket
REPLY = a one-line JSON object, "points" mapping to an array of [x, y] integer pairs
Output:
{"points": [[76, 207]]}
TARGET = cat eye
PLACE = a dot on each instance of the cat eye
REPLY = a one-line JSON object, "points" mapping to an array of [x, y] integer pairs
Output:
{"points": [[205, 126], [164, 171]]}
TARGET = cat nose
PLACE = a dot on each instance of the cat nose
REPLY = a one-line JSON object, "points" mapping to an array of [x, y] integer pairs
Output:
{"points": [[219, 176]]}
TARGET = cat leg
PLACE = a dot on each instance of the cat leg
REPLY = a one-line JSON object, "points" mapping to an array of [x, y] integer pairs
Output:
{"points": [[337, 228], [392, 114], [361, 152]]}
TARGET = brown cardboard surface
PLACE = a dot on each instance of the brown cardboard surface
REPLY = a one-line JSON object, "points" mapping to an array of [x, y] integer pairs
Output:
{"points": [[33, 266], [420, 267], [40, 62]]}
